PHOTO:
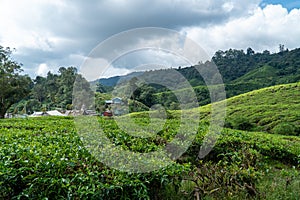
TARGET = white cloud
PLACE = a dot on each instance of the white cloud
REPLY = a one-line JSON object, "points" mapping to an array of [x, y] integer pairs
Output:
{"points": [[51, 31], [94, 68], [61, 33], [265, 29], [114, 71], [42, 70], [228, 6], [21, 24]]}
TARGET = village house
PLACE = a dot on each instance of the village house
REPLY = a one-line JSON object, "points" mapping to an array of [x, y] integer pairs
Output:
{"points": [[114, 107]]}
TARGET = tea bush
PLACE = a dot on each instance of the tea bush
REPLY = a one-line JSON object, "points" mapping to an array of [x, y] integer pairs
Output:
{"points": [[284, 129], [46, 158]]}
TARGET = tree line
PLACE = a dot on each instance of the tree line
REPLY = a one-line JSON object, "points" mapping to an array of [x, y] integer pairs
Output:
{"points": [[20, 93], [241, 71]]}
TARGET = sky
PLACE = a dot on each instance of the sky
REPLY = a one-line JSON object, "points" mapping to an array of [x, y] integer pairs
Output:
{"points": [[49, 34]]}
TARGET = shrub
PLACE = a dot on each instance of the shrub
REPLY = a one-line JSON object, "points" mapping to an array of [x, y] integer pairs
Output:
{"points": [[241, 123], [285, 129]]}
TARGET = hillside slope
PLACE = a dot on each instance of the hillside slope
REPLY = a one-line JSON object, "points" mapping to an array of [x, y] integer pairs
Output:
{"points": [[274, 109]]}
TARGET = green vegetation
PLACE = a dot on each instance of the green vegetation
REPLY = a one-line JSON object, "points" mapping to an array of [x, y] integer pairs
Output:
{"points": [[256, 156], [273, 110], [14, 86], [241, 72], [55, 91], [45, 158]]}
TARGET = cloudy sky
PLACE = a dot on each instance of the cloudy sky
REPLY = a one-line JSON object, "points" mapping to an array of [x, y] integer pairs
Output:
{"points": [[52, 33]]}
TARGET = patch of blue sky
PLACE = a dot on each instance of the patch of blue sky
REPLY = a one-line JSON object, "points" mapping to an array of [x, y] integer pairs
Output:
{"points": [[289, 4]]}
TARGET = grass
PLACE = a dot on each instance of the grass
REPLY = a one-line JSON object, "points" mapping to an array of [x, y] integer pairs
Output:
{"points": [[280, 182]]}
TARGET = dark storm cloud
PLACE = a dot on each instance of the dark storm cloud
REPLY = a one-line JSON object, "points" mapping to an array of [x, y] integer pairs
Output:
{"points": [[101, 19]]}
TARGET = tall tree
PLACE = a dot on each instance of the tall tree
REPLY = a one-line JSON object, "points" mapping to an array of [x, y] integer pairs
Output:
{"points": [[51, 87], [65, 82], [13, 86], [39, 91], [83, 96], [250, 51], [101, 88], [281, 48]]}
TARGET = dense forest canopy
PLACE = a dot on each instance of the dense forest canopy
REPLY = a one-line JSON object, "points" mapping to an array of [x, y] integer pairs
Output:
{"points": [[241, 72], [53, 91]]}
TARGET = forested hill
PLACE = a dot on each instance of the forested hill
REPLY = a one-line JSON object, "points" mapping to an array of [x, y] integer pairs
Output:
{"points": [[241, 72], [279, 67], [240, 67]]}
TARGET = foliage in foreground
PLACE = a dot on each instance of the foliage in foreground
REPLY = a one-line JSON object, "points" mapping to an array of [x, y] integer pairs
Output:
{"points": [[45, 158], [14, 86]]}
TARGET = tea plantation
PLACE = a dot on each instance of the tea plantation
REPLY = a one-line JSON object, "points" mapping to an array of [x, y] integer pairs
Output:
{"points": [[46, 158]]}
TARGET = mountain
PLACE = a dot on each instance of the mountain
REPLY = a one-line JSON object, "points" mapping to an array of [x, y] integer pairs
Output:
{"points": [[235, 66], [112, 81], [241, 72]]}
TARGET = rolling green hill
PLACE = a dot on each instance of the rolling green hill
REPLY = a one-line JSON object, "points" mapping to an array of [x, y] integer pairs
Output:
{"points": [[271, 119], [268, 75], [274, 109], [241, 72], [256, 156], [45, 157]]}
